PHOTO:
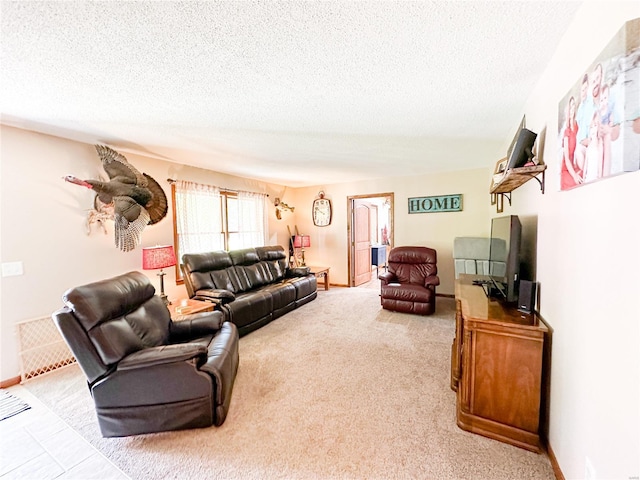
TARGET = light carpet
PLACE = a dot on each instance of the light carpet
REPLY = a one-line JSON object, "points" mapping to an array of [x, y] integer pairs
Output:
{"points": [[337, 389]]}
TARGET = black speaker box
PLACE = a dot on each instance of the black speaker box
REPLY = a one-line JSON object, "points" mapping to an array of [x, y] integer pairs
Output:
{"points": [[527, 296]]}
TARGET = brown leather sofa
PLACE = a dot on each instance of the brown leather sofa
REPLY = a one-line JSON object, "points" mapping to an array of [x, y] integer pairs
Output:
{"points": [[146, 373], [409, 284], [252, 286]]}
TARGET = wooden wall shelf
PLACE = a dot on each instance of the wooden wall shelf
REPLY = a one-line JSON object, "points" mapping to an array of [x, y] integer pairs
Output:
{"points": [[502, 186]]}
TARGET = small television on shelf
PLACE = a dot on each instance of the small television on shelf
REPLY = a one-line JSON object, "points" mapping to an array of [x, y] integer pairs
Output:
{"points": [[521, 151], [504, 257]]}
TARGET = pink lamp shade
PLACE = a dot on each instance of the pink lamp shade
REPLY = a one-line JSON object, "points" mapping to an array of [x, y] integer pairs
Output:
{"points": [[302, 241], [158, 257]]}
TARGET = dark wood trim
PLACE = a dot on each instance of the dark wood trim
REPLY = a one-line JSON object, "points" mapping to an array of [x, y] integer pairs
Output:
{"points": [[10, 382], [554, 463], [179, 280], [445, 295]]}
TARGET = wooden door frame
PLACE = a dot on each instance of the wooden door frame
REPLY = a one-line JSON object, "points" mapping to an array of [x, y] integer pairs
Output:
{"points": [[350, 202]]}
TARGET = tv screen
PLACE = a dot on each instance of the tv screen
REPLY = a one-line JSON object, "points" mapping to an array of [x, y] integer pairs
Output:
{"points": [[504, 256], [522, 151]]}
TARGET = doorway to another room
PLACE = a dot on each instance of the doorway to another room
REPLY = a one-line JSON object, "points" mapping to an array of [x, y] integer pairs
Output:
{"points": [[370, 236]]}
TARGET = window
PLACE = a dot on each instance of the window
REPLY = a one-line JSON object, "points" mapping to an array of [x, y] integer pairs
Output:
{"points": [[207, 219]]}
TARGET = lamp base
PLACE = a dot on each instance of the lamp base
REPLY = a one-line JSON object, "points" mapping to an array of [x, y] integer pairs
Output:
{"points": [[164, 298]]}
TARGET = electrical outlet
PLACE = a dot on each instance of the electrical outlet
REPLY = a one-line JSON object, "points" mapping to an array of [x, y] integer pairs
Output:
{"points": [[589, 471], [12, 269]]}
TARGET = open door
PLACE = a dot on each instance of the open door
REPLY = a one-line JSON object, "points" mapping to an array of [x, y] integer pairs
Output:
{"points": [[361, 222], [361, 243]]}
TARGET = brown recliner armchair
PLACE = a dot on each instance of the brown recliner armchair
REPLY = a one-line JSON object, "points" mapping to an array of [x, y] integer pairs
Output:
{"points": [[409, 285], [145, 372]]}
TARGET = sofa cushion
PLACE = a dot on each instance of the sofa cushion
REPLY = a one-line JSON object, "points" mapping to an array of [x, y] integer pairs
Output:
{"points": [[414, 273], [275, 259], [222, 279], [199, 267], [248, 274], [252, 276], [250, 307], [282, 294], [304, 286], [244, 256]]}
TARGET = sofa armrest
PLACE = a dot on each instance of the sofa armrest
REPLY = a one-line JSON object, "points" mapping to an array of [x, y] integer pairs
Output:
{"points": [[298, 272], [222, 363], [386, 278], [431, 281], [195, 325], [218, 296], [163, 354]]}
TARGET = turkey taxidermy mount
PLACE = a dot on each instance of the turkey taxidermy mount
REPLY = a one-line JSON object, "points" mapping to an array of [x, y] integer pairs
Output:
{"points": [[137, 199]]}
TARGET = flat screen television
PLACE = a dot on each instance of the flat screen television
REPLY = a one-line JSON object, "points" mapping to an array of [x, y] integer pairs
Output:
{"points": [[521, 151], [504, 257]]}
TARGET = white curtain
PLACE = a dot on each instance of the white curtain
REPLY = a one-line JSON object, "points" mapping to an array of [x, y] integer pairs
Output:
{"points": [[198, 218], [251, 229], [200, 224]]}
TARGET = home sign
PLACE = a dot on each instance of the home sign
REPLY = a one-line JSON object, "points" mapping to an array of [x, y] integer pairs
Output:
{"points": [[441, 203]]}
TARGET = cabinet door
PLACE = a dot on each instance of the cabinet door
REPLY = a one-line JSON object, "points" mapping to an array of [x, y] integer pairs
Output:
{"points": [[506, 380]]}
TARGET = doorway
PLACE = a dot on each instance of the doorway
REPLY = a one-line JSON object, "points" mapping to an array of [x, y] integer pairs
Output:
{"points": [[369, 227]]}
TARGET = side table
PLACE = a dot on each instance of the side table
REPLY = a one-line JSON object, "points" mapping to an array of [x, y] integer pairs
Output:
{"points": [[322, 272], [178, 310]]}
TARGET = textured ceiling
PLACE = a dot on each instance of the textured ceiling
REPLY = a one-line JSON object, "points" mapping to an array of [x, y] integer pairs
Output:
{"points": [[291, 92]]}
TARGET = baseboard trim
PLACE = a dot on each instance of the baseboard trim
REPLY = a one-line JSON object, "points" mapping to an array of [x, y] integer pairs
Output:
{"points": [[445, 295], [554, 463], [10, 382]]}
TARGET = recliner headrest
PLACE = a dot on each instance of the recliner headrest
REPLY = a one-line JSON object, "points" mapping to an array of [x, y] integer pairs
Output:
{"points": [[96, 302], [412, 255], [206, 262], [246, 256], [274, 252]]}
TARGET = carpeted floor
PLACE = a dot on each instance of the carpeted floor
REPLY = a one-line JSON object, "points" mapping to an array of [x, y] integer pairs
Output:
{"points": [[337, 389]]}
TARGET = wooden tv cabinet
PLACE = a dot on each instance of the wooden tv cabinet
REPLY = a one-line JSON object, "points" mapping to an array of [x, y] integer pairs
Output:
{"points": [[497, 367]]}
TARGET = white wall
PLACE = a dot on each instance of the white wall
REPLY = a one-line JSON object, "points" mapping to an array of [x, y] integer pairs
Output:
{"points": [[435, 230], [43, 226], [587, 265]]}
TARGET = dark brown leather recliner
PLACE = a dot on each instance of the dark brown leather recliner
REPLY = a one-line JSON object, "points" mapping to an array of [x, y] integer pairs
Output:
{"points": [[145, 372], [409, 285]]}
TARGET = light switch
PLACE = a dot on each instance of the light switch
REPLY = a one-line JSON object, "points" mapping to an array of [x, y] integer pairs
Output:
{"points": [[12, 269]]}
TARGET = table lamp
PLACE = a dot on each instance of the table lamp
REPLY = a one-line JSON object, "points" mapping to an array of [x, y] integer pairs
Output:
{"points": [[302, 242], [159, 257]]}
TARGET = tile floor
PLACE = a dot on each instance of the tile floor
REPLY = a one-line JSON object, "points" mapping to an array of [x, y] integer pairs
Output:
{"points": [[37, 445]]}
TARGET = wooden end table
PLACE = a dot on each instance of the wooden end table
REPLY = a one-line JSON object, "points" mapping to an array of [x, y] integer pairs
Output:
{"points": [[178, 310], [322, 272]]}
